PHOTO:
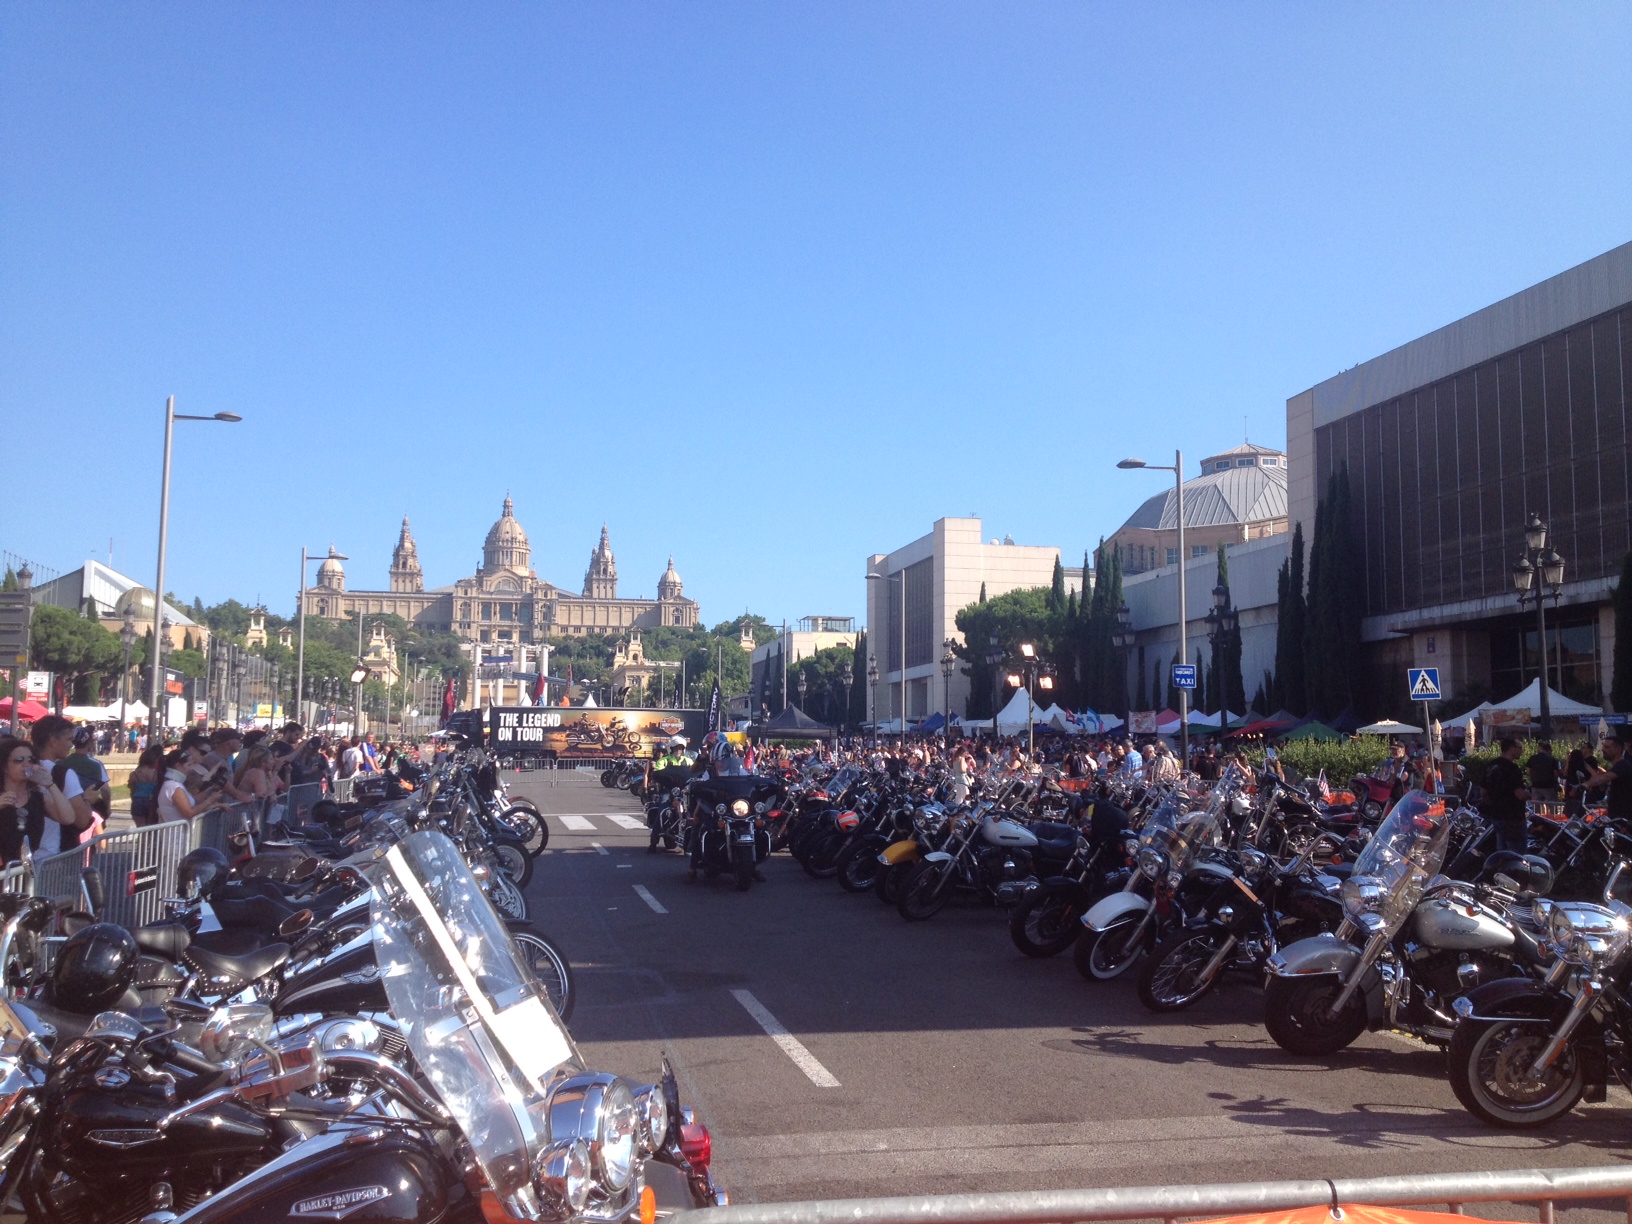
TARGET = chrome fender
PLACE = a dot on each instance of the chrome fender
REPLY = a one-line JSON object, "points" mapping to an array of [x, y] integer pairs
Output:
{"points": [[937, 856], [1323, 953], [1108, 911]]}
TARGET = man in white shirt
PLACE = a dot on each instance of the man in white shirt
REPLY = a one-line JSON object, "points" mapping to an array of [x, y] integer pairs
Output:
{"points": [[53, 739], [351, 760]]}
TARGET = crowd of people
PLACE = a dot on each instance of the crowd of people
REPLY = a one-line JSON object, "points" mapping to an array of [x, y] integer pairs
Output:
{"points": [[56, 792]]}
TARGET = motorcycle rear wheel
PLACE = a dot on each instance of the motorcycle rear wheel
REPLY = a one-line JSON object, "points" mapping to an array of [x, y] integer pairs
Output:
{"points": [[887, 883], [514, 860], [1489, 1062], [551, 969], [1101, 956], [1295, 1015], [1045, 924], [858, 866], [925, 891], [1171, 979]]}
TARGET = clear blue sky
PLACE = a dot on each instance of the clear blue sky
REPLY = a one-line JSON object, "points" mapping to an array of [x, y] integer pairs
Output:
{"points": [[768, 286]]}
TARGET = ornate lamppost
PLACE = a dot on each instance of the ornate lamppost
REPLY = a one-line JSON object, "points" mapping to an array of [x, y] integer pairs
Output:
{"points": [[1539, 560], [949, 662], [1123, 639]]}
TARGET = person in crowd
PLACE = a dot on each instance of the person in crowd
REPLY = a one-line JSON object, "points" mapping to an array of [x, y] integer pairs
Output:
{"points": [[184, 792], [371, 755], [287, 743], [1505, 794], [1616, 776], [30, 800], [1166, 765], [256, 778], [93, 779], [53, 739], [1543, 768], [144, 787], [351, 758], [1582, 764]]}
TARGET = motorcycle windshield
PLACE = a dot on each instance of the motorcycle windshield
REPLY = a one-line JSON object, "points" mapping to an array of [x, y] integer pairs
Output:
{"points": [[1405, 852], [481, 1028]]}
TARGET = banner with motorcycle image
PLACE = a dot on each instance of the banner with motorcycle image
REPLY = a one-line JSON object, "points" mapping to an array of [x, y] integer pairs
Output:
{"points": [[567, 731]]}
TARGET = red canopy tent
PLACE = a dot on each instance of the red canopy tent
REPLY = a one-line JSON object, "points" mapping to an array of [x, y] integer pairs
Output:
{"points": [[28, 711]]}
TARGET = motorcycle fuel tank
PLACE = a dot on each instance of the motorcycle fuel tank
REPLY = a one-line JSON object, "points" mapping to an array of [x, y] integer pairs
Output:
{"points": [[999, 832], [1442, 922], [348, 980]]}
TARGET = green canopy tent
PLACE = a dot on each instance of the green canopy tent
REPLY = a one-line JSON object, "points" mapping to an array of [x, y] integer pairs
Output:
{"points": [[1313, 730]]}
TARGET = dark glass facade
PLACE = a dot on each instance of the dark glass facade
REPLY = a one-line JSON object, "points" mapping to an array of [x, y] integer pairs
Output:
{"points": [[920, 583], [1443, 477]]}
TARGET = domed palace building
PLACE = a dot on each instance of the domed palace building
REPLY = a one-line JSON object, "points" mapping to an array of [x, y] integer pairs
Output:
{"points": [[504, 601]]}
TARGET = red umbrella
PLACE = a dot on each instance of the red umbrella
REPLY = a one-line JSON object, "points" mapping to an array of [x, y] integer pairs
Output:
{"points": [[27, 712]]}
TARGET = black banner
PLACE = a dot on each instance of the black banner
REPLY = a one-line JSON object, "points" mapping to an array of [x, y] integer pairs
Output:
{"points": [[573, 731]]}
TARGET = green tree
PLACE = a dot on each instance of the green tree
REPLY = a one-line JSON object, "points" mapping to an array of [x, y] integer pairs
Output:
{"points": [[1289, 690], [71, 646], [10, 582], [1011, 618], [1620, 688], [1225, 684], [1332, 629], [1056, 587]]}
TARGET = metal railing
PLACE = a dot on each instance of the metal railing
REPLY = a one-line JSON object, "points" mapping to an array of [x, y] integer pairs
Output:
{"points": [[1542, 1187], [298, 804], [343, 788], [216, 827], [138, 869]]}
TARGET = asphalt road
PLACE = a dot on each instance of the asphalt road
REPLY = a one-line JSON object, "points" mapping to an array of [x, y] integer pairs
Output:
{"points": [[933, 1058]]}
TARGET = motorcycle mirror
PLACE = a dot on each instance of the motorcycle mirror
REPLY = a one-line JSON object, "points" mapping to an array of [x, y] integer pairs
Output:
{"points": [[671, 1098], [296, 924], [304, 870]]}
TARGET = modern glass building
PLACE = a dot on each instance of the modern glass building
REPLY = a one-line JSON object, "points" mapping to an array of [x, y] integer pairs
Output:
{"points": [[1450, 443]]}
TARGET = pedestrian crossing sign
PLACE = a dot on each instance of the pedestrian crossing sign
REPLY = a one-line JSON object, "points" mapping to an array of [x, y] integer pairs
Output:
{"points": [[1424, 683]]}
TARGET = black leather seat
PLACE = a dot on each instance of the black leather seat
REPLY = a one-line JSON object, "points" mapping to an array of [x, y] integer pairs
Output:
{"points": [[167, 939], [236, 971], [1055, 840], [239, 942]]}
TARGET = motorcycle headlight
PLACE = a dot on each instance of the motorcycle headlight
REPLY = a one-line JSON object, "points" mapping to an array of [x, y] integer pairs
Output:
{"points": [[1587, 934], [675, 793], [654, 1118], [562, 1174], [599, 1110], [1152, 862], [719, 809], [1363, 896], [740, 808]]}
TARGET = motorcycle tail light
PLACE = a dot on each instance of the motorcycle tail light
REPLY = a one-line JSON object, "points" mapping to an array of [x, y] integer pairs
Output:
{"points": [[696, 1144]]}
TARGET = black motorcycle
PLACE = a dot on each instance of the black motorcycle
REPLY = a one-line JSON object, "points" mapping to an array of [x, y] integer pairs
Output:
{"points": [[727, 829]]}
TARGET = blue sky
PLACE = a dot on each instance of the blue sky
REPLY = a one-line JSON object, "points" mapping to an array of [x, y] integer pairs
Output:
{"points": [[767, 286]]}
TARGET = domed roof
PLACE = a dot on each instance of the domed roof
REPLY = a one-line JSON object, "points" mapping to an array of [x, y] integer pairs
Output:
{"points": [[138, 601], [506, 530], [668, 586], [331, 572]]}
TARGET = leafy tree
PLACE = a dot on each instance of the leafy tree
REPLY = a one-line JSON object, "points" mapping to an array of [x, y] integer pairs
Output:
{"points": [[1199, 701], [10, 582], [71, 646], [1014, 617], [824, 694], [188, 662], [1620, 689], [1289, 689], [1224, 682], [1056, 587]]}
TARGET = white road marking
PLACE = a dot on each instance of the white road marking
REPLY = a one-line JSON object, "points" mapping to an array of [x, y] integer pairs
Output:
{"points": [[600, 849], [628, 822], [578, 824], [645, 895], [791, 1045], [626, 866]]}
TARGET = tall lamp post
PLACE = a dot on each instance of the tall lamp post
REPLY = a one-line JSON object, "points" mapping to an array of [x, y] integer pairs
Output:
{"points": [[872, 691], [994, 659], [1537, 557], [1184, 646], [846, 678], [1032, 672], [948, 662], [802, 687], [1220, 626], [127, 639], [1123, 640], [171, 416]]}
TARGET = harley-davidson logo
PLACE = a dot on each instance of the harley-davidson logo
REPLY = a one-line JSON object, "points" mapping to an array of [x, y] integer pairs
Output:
{"points": [[339, 1204], [672, 725]]}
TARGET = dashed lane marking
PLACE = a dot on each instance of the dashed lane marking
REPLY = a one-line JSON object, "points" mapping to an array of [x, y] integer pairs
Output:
{"points": [[628, 822], [578, 824], [645, 895], [791, 1045], [600, 849]]}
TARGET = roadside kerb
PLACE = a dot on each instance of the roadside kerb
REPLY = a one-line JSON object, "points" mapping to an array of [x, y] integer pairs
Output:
{"points": [[1542, 1187]]}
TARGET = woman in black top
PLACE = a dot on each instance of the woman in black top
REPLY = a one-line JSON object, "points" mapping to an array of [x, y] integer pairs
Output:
{"points": [[27, 793]]}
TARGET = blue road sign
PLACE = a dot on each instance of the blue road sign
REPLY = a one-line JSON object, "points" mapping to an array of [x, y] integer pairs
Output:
{"points": [[1184, 675], [1424, 683]]}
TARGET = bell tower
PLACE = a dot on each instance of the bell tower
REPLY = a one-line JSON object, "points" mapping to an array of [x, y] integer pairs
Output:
{"points": [[601, 579], [406, 576]]}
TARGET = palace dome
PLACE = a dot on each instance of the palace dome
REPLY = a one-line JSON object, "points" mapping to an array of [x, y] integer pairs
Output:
{"points": [[331, 573], [506, 544]]}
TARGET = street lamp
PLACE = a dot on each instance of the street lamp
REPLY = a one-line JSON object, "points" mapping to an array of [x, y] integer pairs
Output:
{"points": [[127, 639], [949, 661], [358, 675], [846, 678], [1035, 673], [900, 576], [1539, 560], [872, 691], [1178, 498], [1123, 639], [802, 687], [171, 416]]}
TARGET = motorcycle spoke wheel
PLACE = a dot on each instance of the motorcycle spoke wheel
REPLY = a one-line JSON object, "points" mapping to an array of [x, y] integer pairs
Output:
{"points": [[1104, 955], [1043, 926], [1297, 1015], [507, 899], [1172, 977], [858, 868], [550, 969], [514, 861], [925, 891], [1490, 1065]]}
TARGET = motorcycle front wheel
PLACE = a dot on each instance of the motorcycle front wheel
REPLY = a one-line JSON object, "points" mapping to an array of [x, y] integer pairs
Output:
{"points": [[1489, 1062], [887, 883], [744, 868], [514, 860], [1045, 924], [507, 898], [551, 970], [1172, 977], [1103, 955], [925, 891], [819, 855], [858, 865], [1297, 1014], [609, 778]]}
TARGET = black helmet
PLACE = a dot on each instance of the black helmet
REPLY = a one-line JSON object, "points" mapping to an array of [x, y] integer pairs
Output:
{"points": [[201, 873], [94, 969], [1532, 873]]}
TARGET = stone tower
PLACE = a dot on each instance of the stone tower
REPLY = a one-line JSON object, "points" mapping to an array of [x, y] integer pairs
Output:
{"points": [[406, 576], [601, 579]]}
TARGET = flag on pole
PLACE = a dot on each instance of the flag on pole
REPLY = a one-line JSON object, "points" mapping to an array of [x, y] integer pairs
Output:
{"points": [[1322, 788], [541, 688], [448, 702], [714, 706]]}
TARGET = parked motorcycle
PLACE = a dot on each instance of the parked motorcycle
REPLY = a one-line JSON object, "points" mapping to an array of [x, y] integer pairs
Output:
{"points": [[728, 817]]}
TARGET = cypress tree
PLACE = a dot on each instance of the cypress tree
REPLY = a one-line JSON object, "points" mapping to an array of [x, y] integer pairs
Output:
{"points": [[858, 687], [1056, 587], [10, 581], [983, 592], [1620, 688], [1141, 693], [1172, 693], [1202, 694]]}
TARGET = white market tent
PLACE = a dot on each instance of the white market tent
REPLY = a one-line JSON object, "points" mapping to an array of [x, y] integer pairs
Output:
{"points": [[1016, 717], [1211, 720], [1529, 698], [1389, 727], [1461, 720]]}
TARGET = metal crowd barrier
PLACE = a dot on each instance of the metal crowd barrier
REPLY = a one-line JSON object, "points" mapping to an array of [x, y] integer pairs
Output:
{"points": [[299, 802], [1542, 1187], [215, 828], [138, 868], [343, 788], [15, 879]]}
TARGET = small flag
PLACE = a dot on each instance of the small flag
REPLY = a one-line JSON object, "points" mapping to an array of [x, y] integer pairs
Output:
{"points": [[448, 702], [1322, 788], [714, 706]]}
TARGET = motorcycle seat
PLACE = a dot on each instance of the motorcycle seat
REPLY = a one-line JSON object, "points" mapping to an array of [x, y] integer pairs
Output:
{"points": [[167, 939], [1339, 871], [1055, 839], [226, 970], [239, 941]]}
